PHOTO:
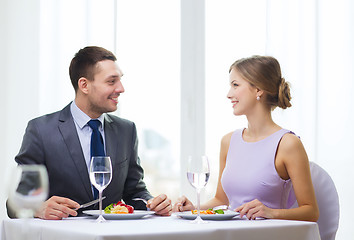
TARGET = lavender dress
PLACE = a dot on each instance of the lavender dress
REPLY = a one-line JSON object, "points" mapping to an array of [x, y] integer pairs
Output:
{"points": [[250, 172]]}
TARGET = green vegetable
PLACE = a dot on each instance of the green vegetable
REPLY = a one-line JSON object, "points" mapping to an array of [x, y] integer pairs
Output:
{"points": [[108, 208], [219, 211]]}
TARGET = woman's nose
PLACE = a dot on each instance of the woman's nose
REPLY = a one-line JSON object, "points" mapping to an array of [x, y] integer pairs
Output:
{"points": [[229, 94]]}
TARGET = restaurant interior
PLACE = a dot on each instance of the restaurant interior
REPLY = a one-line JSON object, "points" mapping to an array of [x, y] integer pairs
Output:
{"points": [[175, 56]]}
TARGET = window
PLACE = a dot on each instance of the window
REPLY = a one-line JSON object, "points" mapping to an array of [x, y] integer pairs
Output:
{"points": [[148, 51], [241, 35], [146, 42]]}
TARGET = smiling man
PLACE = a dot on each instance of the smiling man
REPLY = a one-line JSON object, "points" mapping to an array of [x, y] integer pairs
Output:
{"points": [[61, 141]]}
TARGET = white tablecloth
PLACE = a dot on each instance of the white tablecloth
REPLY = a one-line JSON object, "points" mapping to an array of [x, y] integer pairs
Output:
{"points": [[156, 227]]}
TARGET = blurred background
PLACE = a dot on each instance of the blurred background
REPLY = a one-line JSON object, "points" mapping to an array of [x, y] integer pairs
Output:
{"points": [[175, 56]]}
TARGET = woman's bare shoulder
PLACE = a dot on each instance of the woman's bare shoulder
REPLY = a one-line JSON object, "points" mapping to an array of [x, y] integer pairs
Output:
{"points": [[225, 140], [291, 151], [290, 142]]}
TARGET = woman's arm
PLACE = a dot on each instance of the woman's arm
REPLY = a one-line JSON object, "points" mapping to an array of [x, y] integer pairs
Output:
{"points": [[220, 197], [294, 164]]}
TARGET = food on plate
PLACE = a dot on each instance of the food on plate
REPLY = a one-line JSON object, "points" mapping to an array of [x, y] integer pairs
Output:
{"points": [[119, 208], [209, 211]]}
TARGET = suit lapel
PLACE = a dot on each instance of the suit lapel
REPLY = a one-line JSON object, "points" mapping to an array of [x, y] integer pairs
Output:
{"points": [[111, 135], [71, 139]]}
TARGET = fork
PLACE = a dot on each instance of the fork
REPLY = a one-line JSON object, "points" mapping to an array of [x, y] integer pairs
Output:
{"points": [[142, 199]]}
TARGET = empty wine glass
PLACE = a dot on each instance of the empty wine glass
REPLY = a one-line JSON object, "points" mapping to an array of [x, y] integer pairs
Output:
{"points": [[100, 177], [198, 173], [28, 189]]}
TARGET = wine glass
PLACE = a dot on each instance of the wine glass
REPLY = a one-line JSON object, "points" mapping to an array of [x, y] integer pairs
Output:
{"points": [[198, 173], [28, 189], [100, 177]]}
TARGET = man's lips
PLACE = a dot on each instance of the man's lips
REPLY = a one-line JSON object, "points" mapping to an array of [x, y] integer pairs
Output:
{"points": [[115, 99]]}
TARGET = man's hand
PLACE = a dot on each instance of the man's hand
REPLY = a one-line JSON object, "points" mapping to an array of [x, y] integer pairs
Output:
{"points": [[161, 205], [56, 208]]}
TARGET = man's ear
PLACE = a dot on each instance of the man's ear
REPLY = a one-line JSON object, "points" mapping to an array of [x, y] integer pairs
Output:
{"points": [[83, 85]]}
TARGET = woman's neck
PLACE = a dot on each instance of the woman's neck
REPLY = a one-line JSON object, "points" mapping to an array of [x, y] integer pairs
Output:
{"points": [[260, 126]]}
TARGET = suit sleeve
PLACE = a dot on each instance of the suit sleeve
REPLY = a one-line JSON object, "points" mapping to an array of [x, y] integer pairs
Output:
{"points": [[30, 153]]}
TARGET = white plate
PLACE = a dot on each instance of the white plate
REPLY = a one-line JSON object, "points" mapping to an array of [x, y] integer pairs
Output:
{"points": [[112, 216], [226, 216]]}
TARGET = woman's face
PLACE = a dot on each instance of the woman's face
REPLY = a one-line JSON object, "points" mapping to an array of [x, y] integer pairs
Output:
{"points": [[242, 94]]}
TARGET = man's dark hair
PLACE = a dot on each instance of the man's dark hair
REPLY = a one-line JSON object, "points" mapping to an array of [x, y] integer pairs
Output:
{"points": [[84, 63]]}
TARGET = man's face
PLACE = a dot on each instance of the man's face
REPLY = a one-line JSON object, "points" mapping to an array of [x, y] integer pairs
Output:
{"points": [[104, 90]]}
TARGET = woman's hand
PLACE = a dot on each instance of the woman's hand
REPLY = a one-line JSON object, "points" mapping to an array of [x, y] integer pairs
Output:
{"points": [[183, 204], [255, 209]]}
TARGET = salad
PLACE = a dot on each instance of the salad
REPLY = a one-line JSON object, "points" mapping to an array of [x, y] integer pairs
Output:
{"points": [[119, 208]]}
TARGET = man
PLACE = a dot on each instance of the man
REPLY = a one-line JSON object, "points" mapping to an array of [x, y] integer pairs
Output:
{"points": [[61, 142]]}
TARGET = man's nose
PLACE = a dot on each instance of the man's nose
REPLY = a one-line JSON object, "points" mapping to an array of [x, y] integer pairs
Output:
{"points": [[119, 87]]}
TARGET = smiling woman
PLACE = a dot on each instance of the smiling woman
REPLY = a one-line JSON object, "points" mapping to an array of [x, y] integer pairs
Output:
{"points": [[303, 36]]}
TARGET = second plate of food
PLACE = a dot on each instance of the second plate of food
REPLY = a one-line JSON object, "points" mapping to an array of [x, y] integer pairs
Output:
{"points": [[226, 216]]}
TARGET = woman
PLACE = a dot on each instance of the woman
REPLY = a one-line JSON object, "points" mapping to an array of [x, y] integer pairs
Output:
{"points": [[261, 163]]}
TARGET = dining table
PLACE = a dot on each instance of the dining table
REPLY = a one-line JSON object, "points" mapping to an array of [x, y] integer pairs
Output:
{"points": [[157, 227]]}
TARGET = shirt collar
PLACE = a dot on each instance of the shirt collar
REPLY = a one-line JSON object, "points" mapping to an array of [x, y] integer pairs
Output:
{"points": [[81, 118]]}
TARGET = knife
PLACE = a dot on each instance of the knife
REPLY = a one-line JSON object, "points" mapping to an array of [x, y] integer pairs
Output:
{"points": [[85, 205]]}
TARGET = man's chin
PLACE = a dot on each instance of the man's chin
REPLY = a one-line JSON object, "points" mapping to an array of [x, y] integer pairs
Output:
{"points": [[112, 109]]}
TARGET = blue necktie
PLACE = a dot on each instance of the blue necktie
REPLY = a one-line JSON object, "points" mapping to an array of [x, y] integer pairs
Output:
{"points": [[97, 147]]}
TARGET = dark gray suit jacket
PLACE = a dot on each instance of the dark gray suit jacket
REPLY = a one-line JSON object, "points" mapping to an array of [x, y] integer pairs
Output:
{"points": [[52, 140]]}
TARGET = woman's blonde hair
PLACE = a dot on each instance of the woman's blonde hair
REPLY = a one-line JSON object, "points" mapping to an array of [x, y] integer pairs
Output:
{"points": [[264, 73]]}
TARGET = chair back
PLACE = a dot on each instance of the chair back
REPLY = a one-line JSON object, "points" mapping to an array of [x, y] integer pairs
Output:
{"points": [[327, 200]]}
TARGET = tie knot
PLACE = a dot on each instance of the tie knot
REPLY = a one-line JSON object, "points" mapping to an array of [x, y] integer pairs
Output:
{"points": [[94, 124]]}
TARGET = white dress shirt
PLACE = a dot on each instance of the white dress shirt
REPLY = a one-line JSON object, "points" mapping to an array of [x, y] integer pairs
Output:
{"points": [[84, 131]]}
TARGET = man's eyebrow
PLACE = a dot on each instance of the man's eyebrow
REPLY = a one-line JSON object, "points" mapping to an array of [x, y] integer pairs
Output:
{"points": [[115, 76]]}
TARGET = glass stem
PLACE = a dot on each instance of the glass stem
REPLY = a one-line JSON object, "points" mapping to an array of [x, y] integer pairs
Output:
{"points": [[100, 198], [198, 202]]}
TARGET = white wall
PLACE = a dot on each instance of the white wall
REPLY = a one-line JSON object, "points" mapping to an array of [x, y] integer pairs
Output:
{"points": [[336, 104], [19, 68]]}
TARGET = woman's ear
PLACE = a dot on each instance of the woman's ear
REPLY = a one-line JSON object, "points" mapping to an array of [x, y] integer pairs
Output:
{"points": [[259, 92], [83, 85]]}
